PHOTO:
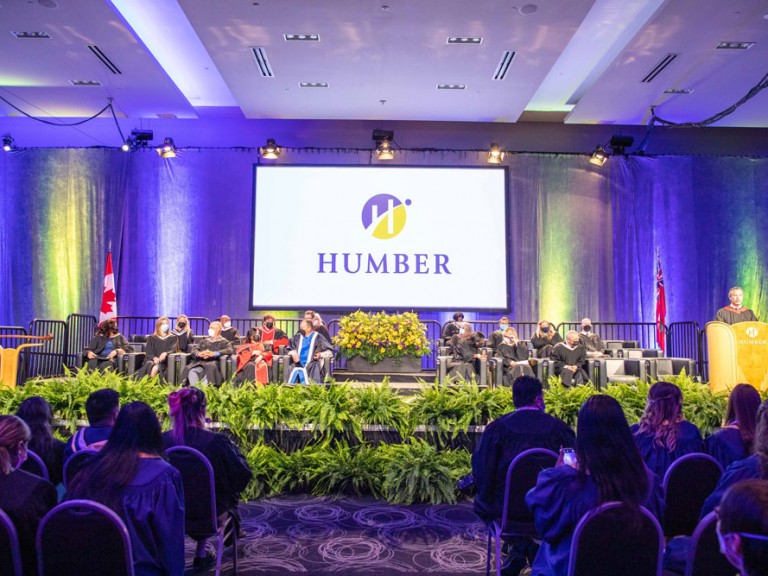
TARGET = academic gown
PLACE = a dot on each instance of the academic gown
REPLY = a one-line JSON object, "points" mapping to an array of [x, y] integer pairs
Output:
{"points": [[495, 339], [186, 339], [462, 362], [449, 332], [592, 342], [157, 345], [726, 446], [211, 365], [98, 346], [563, 355], [731, 315], [658, 458], [273, 338], [543, 346], [510, 355], [747, 469], [230, 334], [307, 347], [248, 369]]}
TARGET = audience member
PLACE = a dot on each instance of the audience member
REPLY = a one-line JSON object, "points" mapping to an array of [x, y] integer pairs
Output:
{"points": [[227, 330], [734, 440], [183, 332], [569, 358], [231, 472], [465, 348], [528, 426], [609, 468], [663, 435], [101, 408], [159, 345], [130, 476], [317, 324], [307, 349], [38, 415], [592, 343], [104, 348], [452, 328], [544, 339], [272, 337], [751, 468], [735, 312], [205, 355], [497, 336], [514, 356], [742, 527], [253, 360]]}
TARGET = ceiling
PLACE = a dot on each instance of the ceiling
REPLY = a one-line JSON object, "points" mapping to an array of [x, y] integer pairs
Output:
{"points": [[568, 61]]}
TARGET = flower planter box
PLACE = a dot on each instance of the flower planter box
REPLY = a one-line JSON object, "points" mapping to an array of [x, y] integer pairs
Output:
{"points": [[386, 366]]}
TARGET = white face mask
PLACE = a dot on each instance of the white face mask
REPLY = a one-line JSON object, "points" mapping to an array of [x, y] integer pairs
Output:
{"points": [[227, 325], [164, 328], [211, 332]]}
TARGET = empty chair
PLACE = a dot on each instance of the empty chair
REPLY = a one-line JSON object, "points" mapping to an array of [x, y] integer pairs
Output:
{"points": [[83, 538], [35, 465], [75, 463], [704, 556], [643, 353], [517, 519], [663, 367], [620, 370], [688, 482], [616, 539], [10, 553]]}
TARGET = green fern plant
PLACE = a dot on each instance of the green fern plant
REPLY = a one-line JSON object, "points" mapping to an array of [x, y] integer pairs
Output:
{"points": [[329, 409], [342, 469], [380, 405], [564, 403], [416, 472]]}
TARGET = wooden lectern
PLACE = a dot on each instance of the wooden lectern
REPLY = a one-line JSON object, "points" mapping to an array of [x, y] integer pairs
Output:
{"points": [[738, 354], [9, 358]]}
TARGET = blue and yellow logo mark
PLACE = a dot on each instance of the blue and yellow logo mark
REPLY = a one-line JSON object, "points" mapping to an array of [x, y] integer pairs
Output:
{"points": [[384, 216]]}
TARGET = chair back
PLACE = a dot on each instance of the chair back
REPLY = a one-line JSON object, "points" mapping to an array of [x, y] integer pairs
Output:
{"points": [[616, 539], [75, 463], [687, 483], [522, 474], [10, 554], [83, 538], [704, 557], [35, 465], [200, 517]]}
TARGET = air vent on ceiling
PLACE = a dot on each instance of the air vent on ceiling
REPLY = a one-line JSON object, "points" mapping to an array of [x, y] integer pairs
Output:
{"points": [[85, 83], [262, 62], [503, 66], [103, 59], [32, 35], [301, 37], [465, 40], [681, 91], [451, 86], [313, 84], [666, 61], [734, 45]]}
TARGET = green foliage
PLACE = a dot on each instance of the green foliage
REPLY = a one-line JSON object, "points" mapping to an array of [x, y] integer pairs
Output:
{"points": [[632, 398], [418, 472], [345, 469], [380, 405], [701, 406], [329, 409], [378, 336], [564, 403]]}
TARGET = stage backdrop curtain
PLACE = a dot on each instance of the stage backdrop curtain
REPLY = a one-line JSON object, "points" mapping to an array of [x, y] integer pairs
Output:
{"points": [[582, 238]]}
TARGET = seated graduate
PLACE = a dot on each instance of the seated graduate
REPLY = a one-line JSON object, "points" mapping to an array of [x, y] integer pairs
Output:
{"points": [[253, 360], [753, 467], [452, 328], [38, 415], [184, 333], [104, 348], [159, 345], [101, 408], [663, 435], [592, 343], [272, 337], [465, 349], [318, 324], [544, 339], [205, 358], [131, 476], [495, 338], [569, 358], [609, 468], [742, 527], [735, 312], [231, 472], [307, 349], [514, 355], [24, 497], [734, 440], [228, 331]]}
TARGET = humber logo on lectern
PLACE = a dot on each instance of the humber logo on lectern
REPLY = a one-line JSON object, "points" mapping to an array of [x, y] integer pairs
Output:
{"points": [[384, 216]]}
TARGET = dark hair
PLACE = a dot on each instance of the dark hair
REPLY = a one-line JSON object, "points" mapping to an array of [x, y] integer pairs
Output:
{"points": [[744, 510], [479, 338], [102, 405], [136, 432], [663, 414], [742, 410], [458, 316], [760, 445], [107, 327], [605, 448], [187, 410], [37, 413], [253, 335], [525, 390]]}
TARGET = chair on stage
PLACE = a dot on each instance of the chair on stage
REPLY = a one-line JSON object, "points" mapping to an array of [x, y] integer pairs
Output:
{"points": [[178, 361], [83, 538], [618, 348], [517, 519], [704, 556], [288, 371], [663, 367], [623, 370], [35, 465], [10, 553], [616, 539], [688, 482], [200, 517], [643, 353], [75, 463]]}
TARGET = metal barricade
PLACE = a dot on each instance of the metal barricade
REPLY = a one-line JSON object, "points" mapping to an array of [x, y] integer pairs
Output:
{"points": [[80, 330], [49, 359], [132, 326], [644, 333], [14, 343], [683, 340], [703, 358]]}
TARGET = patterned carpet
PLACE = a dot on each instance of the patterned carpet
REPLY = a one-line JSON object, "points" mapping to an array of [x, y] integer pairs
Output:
{"points": [[356, 536]]}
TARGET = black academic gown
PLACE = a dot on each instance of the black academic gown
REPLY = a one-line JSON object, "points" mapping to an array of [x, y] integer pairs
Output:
{"points": [[563, 355], [462, 362], [211, 365], [97, 345], [730, 315], [230, 334], [157, 345], [510, 354], [592, 342], [186, 339], [543, 346], [315, 369]]}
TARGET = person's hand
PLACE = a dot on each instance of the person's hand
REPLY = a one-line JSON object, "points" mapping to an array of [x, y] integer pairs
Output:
{"points": [[317, 356], [111, 354], [120, 351], [90, 355], [163, 356], [294, 356]]}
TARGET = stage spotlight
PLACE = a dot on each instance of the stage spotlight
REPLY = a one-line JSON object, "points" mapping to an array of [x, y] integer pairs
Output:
{"points": [[495, 154], [8, 144], [599, 156], [168, 149], [270, 151], [619, 143], [127, 145], [383, 147]]}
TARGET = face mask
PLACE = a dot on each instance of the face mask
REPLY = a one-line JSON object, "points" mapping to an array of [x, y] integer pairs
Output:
{"points": [[211, 332], [587, 328], [269, 324], [227, 325], [182, 324], [164, 328], [503, 326], [457, 324], [544, 329]]}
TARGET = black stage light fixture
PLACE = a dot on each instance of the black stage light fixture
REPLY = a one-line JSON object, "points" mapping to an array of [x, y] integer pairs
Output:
{"points": [[619, 144]]}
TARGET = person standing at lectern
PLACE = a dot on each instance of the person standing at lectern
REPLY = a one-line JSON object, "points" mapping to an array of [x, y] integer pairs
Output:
{"points": [[735, 312]]}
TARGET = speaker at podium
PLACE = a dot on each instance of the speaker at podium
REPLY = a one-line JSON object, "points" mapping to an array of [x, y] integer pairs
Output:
{"points": [[738, 353]]}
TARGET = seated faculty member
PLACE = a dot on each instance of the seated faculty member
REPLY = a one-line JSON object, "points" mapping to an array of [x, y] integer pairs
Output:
{"points": [[452, 328], [184, 333], [465, 349], [735, 312], [569, 358], [592, 343], [514, 356], [205, 358], [227, 330], [272, 338], [496, 337], [544, 339], [159, 345], [104, 348], [307, 350]]}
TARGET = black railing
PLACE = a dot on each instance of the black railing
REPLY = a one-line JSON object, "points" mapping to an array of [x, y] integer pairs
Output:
{"points": [[80, 330], [49, 359], [644, 333], [683, 340], [524, 329]]}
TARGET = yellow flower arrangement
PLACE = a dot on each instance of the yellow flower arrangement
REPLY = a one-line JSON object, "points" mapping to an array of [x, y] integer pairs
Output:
{"points": [[380, 335]]}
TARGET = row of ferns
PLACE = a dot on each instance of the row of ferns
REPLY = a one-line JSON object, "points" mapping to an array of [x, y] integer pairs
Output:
{"points": [[343, 439]]}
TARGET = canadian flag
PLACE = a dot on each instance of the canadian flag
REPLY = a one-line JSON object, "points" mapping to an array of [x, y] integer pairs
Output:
{"points": [[108, 296]]}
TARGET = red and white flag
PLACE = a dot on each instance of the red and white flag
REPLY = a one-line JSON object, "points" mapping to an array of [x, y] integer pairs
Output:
{"points": [[108, 296], [661, 305]]}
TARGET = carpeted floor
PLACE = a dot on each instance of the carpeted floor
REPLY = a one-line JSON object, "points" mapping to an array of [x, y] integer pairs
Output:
{"points": [[356, 536]]}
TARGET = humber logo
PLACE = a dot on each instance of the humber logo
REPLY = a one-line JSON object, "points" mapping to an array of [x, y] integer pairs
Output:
{"points": [[384, 216]]}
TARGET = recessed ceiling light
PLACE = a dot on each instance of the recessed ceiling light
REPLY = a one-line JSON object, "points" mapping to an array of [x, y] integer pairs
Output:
{"points": [[683, 91], [32, 35], [85, 83], [734, 45], [301, 37], [451, 86], [313, 84], [465, 40], [166, 116]]}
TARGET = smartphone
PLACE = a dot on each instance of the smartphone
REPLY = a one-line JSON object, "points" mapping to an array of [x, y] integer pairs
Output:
{"points": [[569, 457]]}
